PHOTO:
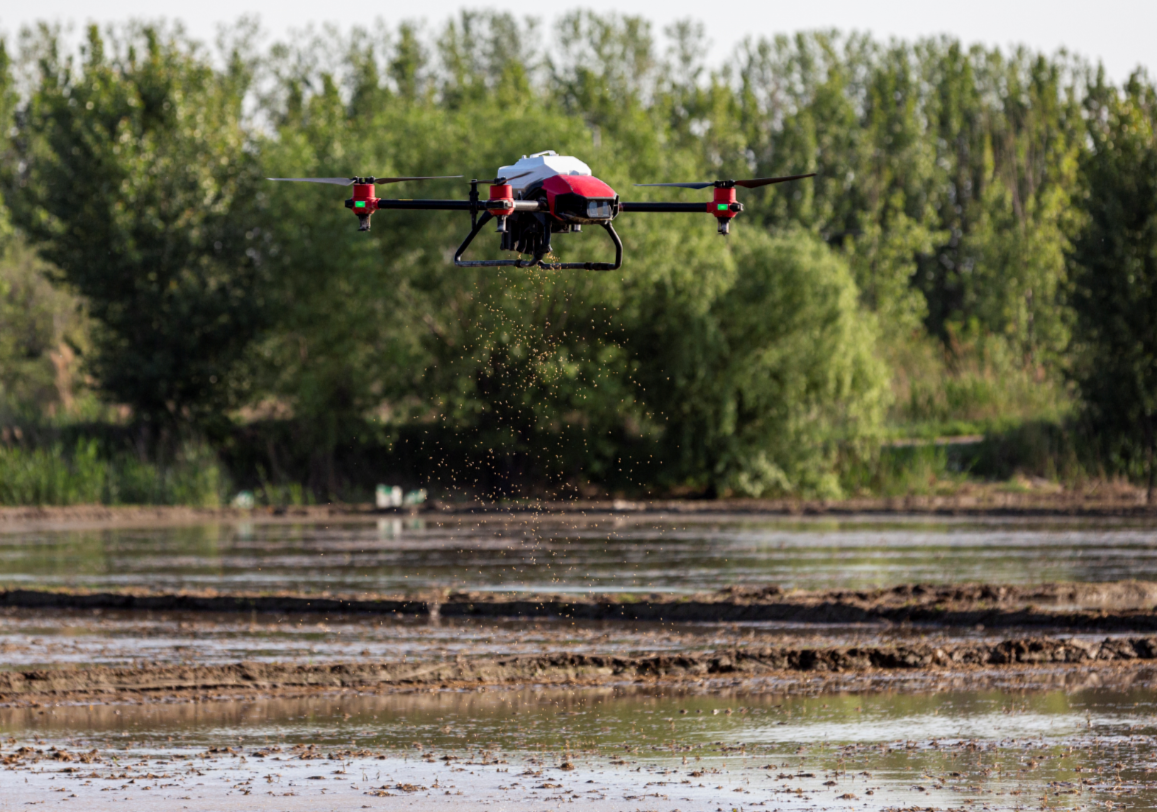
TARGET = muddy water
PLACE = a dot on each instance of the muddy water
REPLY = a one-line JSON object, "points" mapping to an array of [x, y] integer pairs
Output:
{"points": [[720, 747], [1082, 749], [620, 554]]}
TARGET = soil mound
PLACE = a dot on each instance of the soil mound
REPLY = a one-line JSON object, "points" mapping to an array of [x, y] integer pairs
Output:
{"points": [[570, 668]]}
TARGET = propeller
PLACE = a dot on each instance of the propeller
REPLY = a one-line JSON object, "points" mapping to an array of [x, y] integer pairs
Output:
{"points": [[500, 181], [752, 183], [351, 181]]}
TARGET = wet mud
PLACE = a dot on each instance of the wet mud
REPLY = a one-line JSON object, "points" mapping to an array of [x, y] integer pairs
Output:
{"points": [[1120, 606], [585, 669], [50, 638]]}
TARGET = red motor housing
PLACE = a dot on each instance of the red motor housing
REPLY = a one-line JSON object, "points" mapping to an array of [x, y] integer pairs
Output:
{"points": [[721, 205], [504, 192], [363, 204]]}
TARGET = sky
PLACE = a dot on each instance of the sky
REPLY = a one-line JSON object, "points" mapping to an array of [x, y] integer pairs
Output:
{"points": [[1122, 34]]}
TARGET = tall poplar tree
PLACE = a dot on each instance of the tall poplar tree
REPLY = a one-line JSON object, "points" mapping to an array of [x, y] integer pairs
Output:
{"points": [[1115, 266]]}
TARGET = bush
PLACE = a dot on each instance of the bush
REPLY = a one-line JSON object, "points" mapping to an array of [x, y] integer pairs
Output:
{"points": [[974, 386], [791, 382]]}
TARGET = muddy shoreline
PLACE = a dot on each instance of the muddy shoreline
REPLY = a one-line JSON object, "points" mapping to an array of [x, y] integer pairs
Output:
{"points": [[1119, 606], [976, 502]]}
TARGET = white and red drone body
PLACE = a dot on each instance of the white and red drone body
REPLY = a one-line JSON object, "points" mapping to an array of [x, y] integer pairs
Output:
{"points": [[540, 195]]}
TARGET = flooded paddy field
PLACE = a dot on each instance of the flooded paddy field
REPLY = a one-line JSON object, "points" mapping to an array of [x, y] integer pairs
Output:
{"points": [[615, 662], [574, 554], [1085, 747]]}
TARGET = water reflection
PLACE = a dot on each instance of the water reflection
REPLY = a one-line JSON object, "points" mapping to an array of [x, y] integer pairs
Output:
{"points": [[610, 719], [620, 554], [983, 745]]}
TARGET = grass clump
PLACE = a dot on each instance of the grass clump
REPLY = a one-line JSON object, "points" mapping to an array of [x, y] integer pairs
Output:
{"points": [[83, 475]]}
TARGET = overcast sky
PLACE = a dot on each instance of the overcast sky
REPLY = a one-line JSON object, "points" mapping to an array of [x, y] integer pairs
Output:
{"points": [[1120, 33]]}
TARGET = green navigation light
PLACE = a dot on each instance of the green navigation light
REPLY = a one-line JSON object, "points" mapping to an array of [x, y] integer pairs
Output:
{"points": [[722, 207], [359, 204]]}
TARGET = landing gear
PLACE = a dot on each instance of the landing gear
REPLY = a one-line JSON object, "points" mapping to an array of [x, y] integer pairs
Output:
{"points": [[529, 233]]}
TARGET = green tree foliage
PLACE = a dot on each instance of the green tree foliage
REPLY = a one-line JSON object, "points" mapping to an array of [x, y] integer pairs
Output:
{"points": [[945, 173], [1115, 291], [8, 104], [947, 196], [559, 375], [771, 375], [138, 187], [43, 330]]}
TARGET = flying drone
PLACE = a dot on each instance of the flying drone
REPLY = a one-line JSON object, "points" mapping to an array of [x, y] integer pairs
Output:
{"points": [[539, 196]]}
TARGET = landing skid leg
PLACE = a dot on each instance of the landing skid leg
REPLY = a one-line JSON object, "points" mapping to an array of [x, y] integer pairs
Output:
{"points": [[553, 266]]}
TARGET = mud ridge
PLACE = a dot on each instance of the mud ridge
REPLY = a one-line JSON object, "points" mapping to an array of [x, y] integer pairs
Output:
{"points": [[1117, 606], [586, 668], [210, 601]]}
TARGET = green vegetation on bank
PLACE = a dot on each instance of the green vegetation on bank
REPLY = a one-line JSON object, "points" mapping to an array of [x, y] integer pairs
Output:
{"points": [[975, 257], [52, 475]]}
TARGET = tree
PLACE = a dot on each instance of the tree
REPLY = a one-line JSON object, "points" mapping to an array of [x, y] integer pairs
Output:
{"points": [[1115, 269], [767, 370], [139, 187]]}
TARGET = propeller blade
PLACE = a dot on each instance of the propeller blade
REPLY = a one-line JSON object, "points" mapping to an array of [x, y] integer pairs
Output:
{"points": [[512, 177], [757, 182], [702, 185], [335, 181], [427, 177], [753, 183], [499, 181]]}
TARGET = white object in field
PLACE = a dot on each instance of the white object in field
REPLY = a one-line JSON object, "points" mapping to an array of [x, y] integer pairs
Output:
{"points": [[542, 165], [389, 528], [244, 501], [387, 497]]}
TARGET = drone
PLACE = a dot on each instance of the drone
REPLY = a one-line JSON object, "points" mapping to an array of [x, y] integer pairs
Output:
{"points": [[541, 195]]}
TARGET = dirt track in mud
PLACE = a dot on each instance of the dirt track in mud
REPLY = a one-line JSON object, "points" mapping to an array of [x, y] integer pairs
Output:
{"points": [[1111, 607]]}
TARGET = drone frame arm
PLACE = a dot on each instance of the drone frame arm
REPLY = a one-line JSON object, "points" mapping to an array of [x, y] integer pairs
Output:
{"points": [[457, 205], [520, 263], [662, 207]]}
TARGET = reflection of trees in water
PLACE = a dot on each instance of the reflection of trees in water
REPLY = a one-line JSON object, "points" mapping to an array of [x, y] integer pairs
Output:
{"points": [[577, 553]]}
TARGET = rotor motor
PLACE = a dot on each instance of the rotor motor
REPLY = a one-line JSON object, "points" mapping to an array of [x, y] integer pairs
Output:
{"points": [[501, 192], [363, 204], [724, 206]]}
